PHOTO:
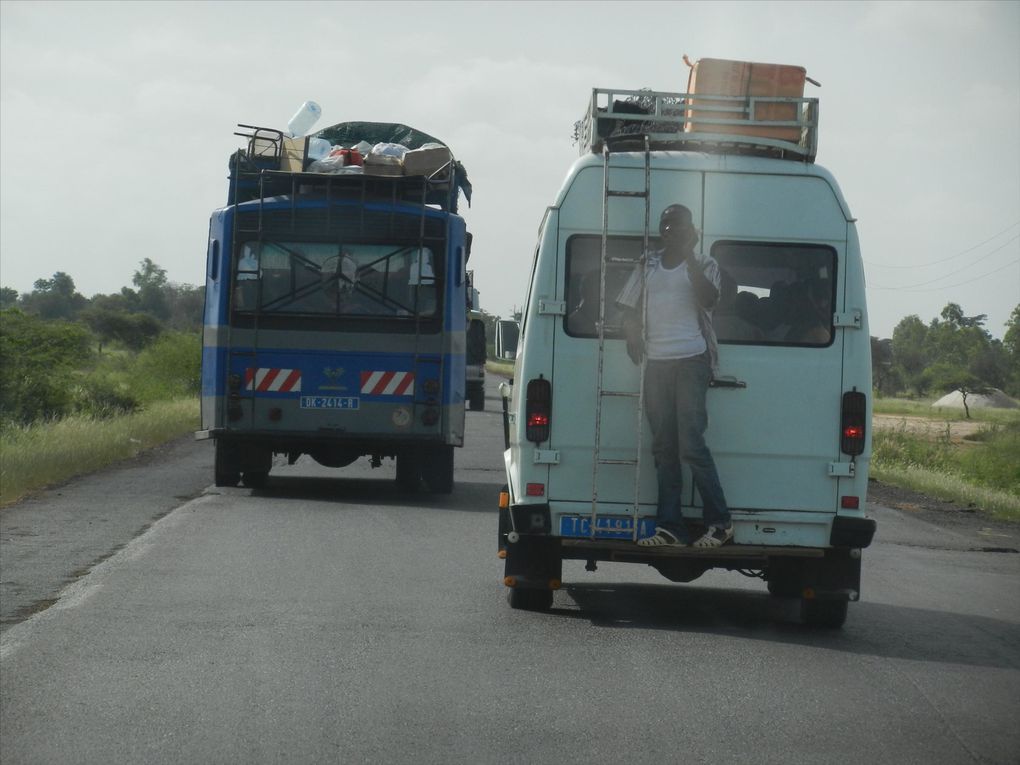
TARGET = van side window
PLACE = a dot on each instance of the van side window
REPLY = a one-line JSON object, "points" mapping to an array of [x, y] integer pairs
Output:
{"points": [[775, 294], [582, 287]]}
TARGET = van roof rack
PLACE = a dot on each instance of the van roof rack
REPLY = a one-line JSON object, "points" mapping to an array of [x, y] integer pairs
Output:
{"points": [[770, 126]]}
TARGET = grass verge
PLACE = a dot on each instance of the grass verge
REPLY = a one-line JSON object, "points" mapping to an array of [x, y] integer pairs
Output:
{"points": [[35, 456], [984, 474], [1002, 505]]}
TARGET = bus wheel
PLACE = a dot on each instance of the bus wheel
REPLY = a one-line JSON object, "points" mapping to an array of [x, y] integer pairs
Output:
{"points": [[408, 470], [225, 470], [523, 599], [255, 479], [828, 614], [437, 469]]}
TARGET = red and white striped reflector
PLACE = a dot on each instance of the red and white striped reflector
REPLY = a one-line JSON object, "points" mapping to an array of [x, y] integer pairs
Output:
{"points": [[387, 383], [269, 380]]}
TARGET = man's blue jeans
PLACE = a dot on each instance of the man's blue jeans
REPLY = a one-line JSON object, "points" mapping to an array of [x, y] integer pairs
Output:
{"points": [[675, 392]]}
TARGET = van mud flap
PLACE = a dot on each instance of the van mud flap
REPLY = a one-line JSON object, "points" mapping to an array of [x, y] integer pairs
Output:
{"points": [[835, 576], [534, 562]]}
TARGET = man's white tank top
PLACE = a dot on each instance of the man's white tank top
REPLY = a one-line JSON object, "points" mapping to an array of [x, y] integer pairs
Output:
{"points": [[672, 319]]}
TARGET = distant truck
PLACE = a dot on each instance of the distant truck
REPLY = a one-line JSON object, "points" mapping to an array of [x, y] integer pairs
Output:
{"points": [[334, 319], [790, 407], [476, 352]]}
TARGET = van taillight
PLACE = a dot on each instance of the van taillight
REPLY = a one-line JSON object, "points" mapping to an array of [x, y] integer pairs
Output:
{"points": [[852, 423], [539, 410]]}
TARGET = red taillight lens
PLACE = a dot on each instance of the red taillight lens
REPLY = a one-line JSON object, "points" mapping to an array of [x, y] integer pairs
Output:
{"points": [[538, 413], [535, 490], [852, 430], [850, 503]]}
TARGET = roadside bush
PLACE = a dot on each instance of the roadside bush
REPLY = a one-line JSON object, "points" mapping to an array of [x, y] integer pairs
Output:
{"points": [[902, 449], [98, 395], [996, 461], [37, 363], [169, 368]]}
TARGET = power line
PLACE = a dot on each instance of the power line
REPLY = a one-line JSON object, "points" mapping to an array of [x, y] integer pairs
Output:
{"points": [[959, 270], [949, 286], [951, 257]]}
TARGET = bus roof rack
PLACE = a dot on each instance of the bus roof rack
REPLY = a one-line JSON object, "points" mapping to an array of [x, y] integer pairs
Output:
{"points": [[770, 126]]}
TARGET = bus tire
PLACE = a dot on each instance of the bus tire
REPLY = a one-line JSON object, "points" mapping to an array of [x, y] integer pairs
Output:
{"points": [[826, 614], [408, 470], [437, 469], [225, 470], [527, 599]]}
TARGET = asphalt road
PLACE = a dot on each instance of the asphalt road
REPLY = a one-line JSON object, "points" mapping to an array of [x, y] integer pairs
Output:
{"points": [[330, 618]]}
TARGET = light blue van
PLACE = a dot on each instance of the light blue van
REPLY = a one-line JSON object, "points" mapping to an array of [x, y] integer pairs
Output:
{"points": [[789, 408]]}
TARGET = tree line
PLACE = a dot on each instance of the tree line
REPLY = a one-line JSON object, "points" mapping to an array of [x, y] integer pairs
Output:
{"points": [[132, 318], [52, 341], [952, 352]]}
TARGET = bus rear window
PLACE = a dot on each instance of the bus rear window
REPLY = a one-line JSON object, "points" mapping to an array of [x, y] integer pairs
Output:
{"points": [[775, 294], [316, 278]]}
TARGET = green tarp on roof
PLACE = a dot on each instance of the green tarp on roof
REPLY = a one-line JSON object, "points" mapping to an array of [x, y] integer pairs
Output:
{"points": [[350, 133]]}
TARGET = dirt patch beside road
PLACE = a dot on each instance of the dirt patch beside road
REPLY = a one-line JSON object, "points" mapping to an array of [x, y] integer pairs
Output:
{"points": [[959, 430]]}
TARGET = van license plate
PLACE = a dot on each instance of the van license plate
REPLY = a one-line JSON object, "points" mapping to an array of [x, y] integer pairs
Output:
{"points": [[606, 527]]}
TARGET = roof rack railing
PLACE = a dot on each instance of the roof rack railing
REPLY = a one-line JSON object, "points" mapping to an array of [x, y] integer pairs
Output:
{"points": [[772, 126]]}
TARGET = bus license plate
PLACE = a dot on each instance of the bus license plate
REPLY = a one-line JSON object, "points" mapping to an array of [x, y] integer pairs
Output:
{"points": [[606, 527], [329, 402]]}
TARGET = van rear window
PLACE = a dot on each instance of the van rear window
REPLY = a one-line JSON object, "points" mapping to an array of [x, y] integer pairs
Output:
{"points": [[775, 294], [582, 288]]}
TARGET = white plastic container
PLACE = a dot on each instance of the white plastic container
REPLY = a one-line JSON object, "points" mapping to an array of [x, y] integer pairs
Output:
{"points": [[304, 118], [318, 148]]}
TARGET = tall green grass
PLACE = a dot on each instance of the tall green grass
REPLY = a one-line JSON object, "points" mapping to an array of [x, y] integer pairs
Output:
{"points": [[985, 474], [40, 454]]}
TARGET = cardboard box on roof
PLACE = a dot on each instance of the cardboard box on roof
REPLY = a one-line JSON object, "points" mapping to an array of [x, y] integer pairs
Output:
{"points": [[427, 160], [721, 77], [294, 154]]}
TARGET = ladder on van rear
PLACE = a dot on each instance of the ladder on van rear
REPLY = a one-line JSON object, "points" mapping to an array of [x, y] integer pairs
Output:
{"points": [[609, 194]]}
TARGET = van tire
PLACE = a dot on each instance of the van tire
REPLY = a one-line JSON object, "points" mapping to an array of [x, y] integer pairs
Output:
{"points": [[437, 469], [527, 599], [255, 479], [476, 399], [826, 614]]}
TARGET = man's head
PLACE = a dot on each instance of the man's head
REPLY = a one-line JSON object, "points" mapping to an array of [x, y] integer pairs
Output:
{"points": [[676, 227]]}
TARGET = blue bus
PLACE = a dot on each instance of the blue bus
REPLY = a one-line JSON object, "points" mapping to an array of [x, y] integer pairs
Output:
{"points": [[335, 313]]}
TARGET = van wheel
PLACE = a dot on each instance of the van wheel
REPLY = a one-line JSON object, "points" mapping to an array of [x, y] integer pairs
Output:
{"points": [[784, 588], [437, 469], [827, 614], [523, 599], [408, 471], [476, 400], [225, 470], [255, 479]]}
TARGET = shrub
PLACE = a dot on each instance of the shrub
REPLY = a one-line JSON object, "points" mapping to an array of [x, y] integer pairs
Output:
{"points": [[996, 461], [171, 367], [37, 363]]}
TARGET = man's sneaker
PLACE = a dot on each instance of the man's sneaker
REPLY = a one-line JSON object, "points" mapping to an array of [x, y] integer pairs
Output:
{"points": [[715, 537]]}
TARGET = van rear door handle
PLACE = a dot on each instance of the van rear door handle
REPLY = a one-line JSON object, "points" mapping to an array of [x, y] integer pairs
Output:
{"points": [[726, 382]]}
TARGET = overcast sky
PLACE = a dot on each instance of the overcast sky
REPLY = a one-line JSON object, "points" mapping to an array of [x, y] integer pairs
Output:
{"points": [[117, 119]]}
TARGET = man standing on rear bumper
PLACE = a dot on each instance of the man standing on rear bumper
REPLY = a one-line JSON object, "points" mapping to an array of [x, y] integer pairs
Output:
{"points": [[679, 349]]}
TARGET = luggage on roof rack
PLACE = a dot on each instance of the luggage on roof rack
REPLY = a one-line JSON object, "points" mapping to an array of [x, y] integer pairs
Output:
{"points": [[775, 126]]}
